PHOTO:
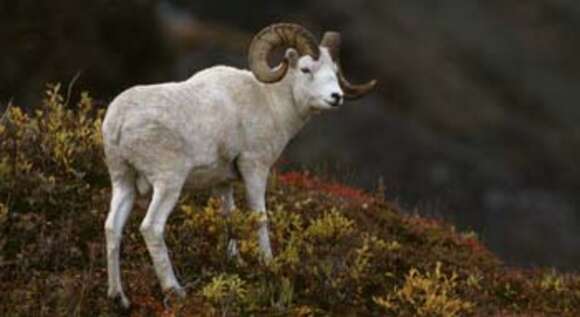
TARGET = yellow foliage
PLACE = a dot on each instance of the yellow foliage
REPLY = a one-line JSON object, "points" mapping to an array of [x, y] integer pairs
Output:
{"points": [[209, 219], [287, 227], [329, 257], [71, 133], [474, 280], [430, 294], [58, 142], [53, 135], [332, 225], [225, 292], [551, 282]]}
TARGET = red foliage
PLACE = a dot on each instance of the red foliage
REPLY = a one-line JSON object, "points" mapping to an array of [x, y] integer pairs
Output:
{"points": [[421, 225], [475, 246], [300, 179], [306, 181]]}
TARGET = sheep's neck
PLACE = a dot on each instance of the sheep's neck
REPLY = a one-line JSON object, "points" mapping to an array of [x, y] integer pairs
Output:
{"points": [[288, 114]]}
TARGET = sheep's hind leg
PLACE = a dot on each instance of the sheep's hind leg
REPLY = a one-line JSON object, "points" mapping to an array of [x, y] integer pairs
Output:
{"points": [[123, 196], [226, 194], [165, 197]]}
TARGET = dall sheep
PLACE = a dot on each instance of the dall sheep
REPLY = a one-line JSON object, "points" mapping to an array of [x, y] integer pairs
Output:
{"points": [[221, 125]]}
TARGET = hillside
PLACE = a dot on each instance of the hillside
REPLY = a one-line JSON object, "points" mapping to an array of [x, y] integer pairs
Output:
{"points": [[338, 250]]}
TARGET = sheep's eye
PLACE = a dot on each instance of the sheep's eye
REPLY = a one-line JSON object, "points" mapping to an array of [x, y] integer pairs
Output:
{"points": [[305, 70]]}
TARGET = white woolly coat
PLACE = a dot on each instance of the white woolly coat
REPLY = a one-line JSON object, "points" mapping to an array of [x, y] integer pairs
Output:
{"points": [[202, 126]]}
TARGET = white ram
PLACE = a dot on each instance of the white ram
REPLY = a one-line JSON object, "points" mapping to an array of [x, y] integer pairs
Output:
{"points": [[221, 125]]}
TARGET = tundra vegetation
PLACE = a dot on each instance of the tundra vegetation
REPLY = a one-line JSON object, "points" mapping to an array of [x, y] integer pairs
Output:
{"points": [[337, 250], [219, 126]]}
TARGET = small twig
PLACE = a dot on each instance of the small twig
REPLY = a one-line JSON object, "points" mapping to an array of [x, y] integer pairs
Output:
{"points": [[70, 87], [5, 114]]}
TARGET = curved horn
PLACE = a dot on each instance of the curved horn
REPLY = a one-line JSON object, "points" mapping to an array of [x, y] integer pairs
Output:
{"points": [[272, 37], [331, 40], [354, 91]]}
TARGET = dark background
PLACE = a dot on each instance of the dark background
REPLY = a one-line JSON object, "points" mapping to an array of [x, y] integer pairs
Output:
{"points": [[475, 119]]}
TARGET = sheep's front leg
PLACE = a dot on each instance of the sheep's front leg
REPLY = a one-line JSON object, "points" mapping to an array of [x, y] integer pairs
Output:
{"points": [[255, 178]]}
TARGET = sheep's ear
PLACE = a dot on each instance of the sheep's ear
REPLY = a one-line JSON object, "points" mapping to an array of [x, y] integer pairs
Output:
{"points": [[292, 57]]}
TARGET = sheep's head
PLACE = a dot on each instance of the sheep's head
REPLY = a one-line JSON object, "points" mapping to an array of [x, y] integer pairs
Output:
{"points": [[318, 81]]}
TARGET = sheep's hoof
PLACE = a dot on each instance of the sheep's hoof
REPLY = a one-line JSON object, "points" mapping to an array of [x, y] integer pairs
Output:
{"points": [[120, 300], [179, 291], [267, 257], [174, 295]]}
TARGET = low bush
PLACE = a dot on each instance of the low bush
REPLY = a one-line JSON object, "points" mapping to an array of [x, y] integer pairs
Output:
{"points": [[338, 250]]}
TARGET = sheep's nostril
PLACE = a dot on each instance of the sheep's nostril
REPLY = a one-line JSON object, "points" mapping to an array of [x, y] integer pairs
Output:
{"points": [[336, 98]]}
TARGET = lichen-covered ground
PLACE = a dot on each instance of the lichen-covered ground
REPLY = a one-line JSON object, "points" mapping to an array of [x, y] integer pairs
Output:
{"points": [[338, 250]]}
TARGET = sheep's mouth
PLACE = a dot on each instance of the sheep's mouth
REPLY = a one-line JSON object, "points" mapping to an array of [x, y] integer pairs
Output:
{"points": [[333, 103]]}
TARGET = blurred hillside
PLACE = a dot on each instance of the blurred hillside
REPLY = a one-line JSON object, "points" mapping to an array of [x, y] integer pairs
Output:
{"points": [[474, 119]]}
